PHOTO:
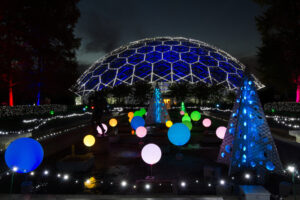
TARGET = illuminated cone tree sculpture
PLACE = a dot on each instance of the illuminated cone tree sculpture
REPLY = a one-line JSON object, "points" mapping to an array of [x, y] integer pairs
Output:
{"points": [[248, 143], [157, 112]]}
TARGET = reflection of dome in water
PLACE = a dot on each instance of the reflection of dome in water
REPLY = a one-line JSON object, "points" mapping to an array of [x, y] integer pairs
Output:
{"points": [[163, 59]]}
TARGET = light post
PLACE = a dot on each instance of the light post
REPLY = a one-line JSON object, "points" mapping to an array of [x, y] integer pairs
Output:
{"points": [[293, 170]]}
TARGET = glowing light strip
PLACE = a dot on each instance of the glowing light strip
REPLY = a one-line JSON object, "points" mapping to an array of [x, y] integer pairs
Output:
{"points": [[42, 122]]}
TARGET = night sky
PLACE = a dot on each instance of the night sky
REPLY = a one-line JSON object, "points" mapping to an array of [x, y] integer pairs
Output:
{"points": [[107, 24]]}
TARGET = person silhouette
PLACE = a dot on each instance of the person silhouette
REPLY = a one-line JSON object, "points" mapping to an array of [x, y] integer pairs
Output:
{"points": [[98, 101]]}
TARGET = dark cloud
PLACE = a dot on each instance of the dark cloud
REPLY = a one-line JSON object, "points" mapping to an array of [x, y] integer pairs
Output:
{"points": [[102, 33], [105, 25]]}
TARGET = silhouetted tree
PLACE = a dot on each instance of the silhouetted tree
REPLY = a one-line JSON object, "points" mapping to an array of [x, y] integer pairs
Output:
{"points": [[120, 92], [200, 91], [179, 90], [37, 40], [279, 54], [141, 92]]}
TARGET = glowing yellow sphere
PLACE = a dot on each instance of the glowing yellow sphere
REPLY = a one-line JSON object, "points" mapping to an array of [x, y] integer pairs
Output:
{"points": [[113, 122], [89, 140], [130, 114], [169, 123], [90, 183]]}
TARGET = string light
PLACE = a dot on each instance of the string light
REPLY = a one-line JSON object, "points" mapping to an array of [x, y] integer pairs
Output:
{"points": [[41, 123], [290, 122]]}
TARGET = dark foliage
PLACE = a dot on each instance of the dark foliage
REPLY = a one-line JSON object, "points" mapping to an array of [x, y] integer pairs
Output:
{"points": [[37, 48], [278, 56]]}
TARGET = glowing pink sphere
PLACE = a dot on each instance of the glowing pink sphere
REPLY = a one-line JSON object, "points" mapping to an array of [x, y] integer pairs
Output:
{"points": [[141, 132], [181, 112], [151, 154], [99, 130], [206, 122], [220, 132]]}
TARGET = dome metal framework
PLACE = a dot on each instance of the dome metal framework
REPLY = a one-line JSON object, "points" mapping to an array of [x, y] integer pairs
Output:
{"points": [[163, 59]]}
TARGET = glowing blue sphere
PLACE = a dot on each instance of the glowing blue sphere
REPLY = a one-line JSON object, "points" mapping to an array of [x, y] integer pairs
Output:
{"points": [[136, 122], [179, 134], [24, 155]]}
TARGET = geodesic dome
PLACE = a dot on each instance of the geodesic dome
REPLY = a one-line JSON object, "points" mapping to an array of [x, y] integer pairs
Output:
{"points": [[163, 59]]}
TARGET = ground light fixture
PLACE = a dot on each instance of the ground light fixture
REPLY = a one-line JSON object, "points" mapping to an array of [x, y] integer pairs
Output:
{"points": [[247, 176], [292, 169], [183, 184], [15, 169], [147, 186], [66, 177], [222, 182], [123, 183]]}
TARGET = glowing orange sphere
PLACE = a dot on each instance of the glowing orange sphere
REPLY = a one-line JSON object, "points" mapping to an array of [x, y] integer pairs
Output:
{"points": [[130, 114]]}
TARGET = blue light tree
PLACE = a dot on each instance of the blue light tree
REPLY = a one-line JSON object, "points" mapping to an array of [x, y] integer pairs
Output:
{"points": [[248, 143], [157, 112]]}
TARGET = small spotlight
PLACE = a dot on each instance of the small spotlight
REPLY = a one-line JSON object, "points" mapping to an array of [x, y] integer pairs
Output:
{"points": [[247, 176], [88, 181], [209, 184], [197, 181], [76, 181], [66, 177], [222, 182], [160, 184], [15, 169], [46, 172], [123, 183], [58, 175], [31, 173], [134, 186], [232, 178], [7, 173], [147, 186], [111, 183], [183, 184]]}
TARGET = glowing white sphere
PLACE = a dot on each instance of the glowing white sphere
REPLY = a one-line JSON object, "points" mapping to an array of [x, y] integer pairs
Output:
{"points": [[141, 132], [206, 122], [151, 154], [220, 132], [99, 130]]}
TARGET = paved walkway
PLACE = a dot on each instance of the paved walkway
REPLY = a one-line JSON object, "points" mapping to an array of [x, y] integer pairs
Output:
{"points": [[109, 197]]}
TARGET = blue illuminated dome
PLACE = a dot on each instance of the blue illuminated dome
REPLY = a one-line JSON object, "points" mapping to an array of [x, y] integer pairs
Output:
{"points": [[163, 59]]}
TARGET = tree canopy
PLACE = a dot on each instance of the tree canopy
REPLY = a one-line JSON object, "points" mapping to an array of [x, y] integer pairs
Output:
{"points": [[279, 61], [37, 48]]}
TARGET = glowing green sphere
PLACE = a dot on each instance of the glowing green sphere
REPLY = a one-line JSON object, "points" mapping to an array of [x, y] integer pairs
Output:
{"points": [[138, 113], [185, 118], [143, 111], [188, 124], [196, 116]]}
